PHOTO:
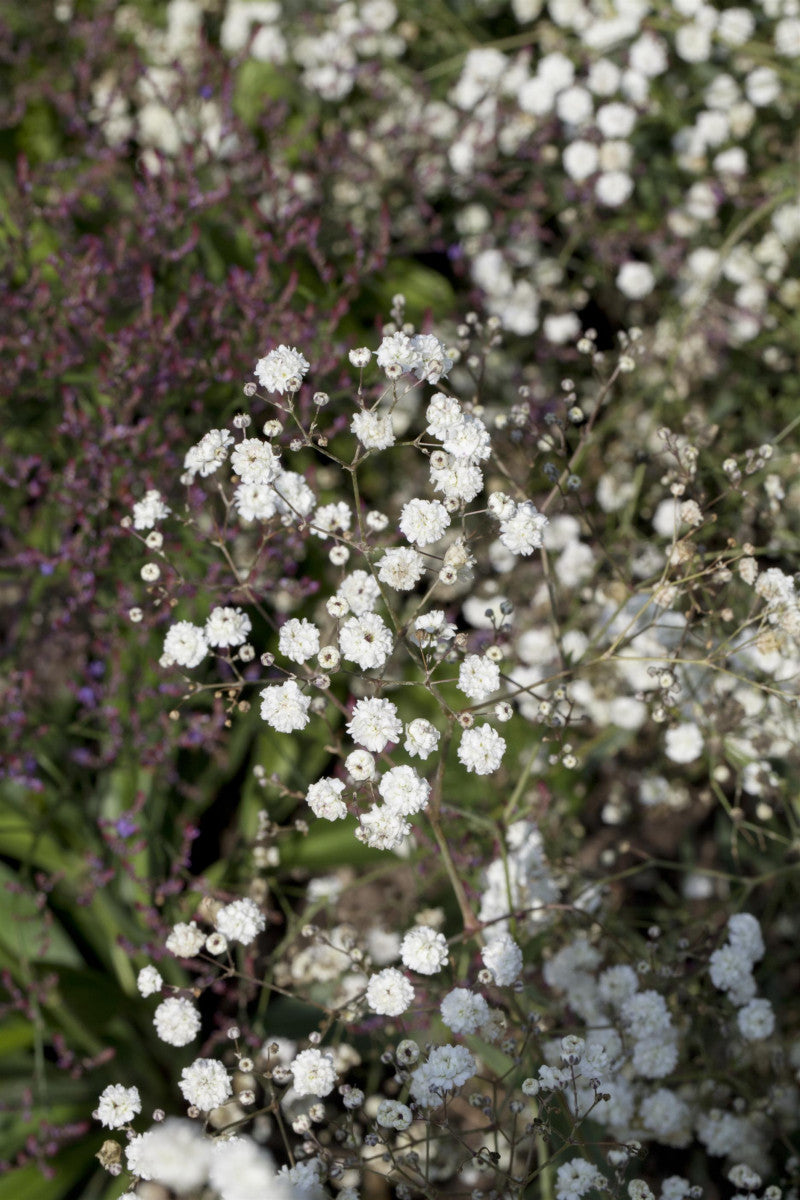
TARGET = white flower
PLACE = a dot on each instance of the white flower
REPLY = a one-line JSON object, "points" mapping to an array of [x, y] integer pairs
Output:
{"points": [[635, 280], [580, 159], [503, 957], [374, 723], [174, 1153], [295, 498], [330, 519], [149, 981], [281, 370], [459, 479], [403, 790], [522, 532], [374, 430], [205, 1084], [392, 1114], [366, 641], [185, 644], [389, 993], [255, 501], [149, 510], [361, 592], [481, 749], [298, 640], [613, 188], [117, 1106], [313, 1072], [177, 1021], [447, 1068], [323, 798], [442, 414], [467, 438], [285, 707], [184, 940], [744, 932], [574, 1179], [422, 738], [382, 828], [240, 1169], [240, 921], [424, 950], [209, 454], [360, 765], [434, 626], [424, 522], [464, 1011], [478, 677], [683, 743], [254, 461], [401, 568], [227, 627]]}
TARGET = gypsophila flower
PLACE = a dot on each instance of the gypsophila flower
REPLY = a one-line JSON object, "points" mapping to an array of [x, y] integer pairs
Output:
{"points": [[382, 828], [422, 738], [241, 921], [403, 790], [174, 1153], [424, 522], [298, 640], [331, 519], [285, 707], [281, 370], [227, 627], [366, 641], [242, 1170], [117, 1106], [184, 940], [744, 932], [360, 765], [447, 1068], [256, 501], [683, 743], [467, 438], [216, 943], [360, 592], [374, 430], [478, 677], [209, 454], [464, 1011], [401, 568], [389, 993], [177, 1021], [522, 532], [756, 1020], [149, 509], [433, 627], [391, 1114], [424, 950], [150, 572], [503, 957], [205, 1084], [481, 749], [574, 1179], [149, 981], [185, 644], [374, 723], [313, 1073], [255, 461], [360, 356], [323, 798]]}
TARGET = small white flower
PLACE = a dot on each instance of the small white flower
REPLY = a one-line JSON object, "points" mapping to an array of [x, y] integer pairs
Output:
{"points": [[254, 461], [205, 1084], [324, 799], [227, 627], [392, 1114], [281, 370], [149, 981], [389, 993], [401, 568], [241, 921], [313, 1073], [149, 510], [285, 707], [177, 1021], [481, 749], [118, 1106], [209, 454], [374, 723], [424, 522], [374, 430], [503, 957], [366, 641], [185, 644], [422, 738], [298, 640], [683, 743], [478, 677], [424, 950], [464, 1011], [184, 940]]}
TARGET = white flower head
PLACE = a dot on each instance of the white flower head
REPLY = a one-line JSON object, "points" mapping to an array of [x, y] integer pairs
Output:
{"points": [[281, 370], [205, 1084], [117, 1106]]}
